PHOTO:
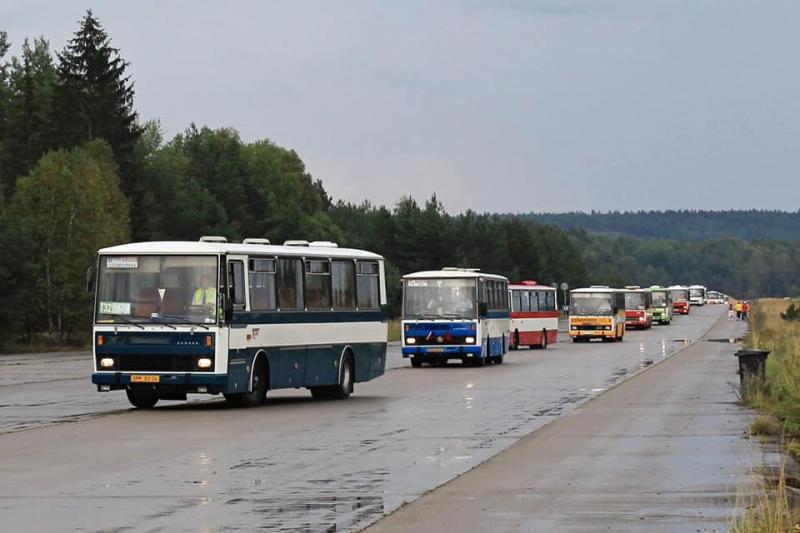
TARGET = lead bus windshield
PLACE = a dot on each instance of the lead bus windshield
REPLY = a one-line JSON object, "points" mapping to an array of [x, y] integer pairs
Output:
{"points": [[158, 288], [440, 298], [591, 304], [696, 293]]}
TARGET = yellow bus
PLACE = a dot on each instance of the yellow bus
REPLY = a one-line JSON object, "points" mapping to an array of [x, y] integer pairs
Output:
{"points": [[597, 312]]}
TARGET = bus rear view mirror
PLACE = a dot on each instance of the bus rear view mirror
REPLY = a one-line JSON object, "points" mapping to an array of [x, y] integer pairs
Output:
{"points": [[89, 279]]}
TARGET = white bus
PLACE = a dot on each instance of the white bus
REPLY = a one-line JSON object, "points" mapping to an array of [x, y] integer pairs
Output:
{"points": [[455, 313], [214, 317], [697, 295], [534, 315]]}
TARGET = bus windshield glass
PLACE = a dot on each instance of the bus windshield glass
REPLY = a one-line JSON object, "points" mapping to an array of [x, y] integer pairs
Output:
{"points": [[591, 303], [680, 294], [157, 289], [696, 293], [659, 299], [635, 300], [440, 298]]}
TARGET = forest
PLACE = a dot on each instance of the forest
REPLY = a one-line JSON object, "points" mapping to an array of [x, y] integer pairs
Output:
{"points": [[682, 224], [81, 170]]}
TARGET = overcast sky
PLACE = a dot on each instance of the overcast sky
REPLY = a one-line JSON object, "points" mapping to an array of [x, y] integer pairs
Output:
{"points": [[538, 105]]}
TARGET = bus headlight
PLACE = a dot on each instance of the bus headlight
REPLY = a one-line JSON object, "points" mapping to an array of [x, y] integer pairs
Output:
{"points": [[411, 340], [469, 340], [107, 362], [204, 362]]}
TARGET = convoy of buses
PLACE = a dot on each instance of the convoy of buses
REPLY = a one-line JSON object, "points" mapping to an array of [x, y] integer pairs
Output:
{"points": [[239, 319]]}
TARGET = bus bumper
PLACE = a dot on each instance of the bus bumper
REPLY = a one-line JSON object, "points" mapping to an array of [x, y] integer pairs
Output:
{"points": [[598, 333], [179, 383], [442, 353]]}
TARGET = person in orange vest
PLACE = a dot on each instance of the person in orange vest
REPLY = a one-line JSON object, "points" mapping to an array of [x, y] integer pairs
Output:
{"points": [[745, 310]]}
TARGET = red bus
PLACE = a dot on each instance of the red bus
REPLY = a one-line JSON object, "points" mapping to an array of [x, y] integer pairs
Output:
{"points": [[534, 315], [680, 299]]}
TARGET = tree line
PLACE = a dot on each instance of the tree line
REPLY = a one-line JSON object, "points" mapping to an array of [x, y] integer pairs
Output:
{"points": [[682, 224], [79, 171]]}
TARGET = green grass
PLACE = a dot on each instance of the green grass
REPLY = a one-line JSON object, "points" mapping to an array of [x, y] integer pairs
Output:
{"points": [[770, 508], [765, 425], [780, 394]]}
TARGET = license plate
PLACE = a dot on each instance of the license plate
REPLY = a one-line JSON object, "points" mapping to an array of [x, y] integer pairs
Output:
{"points": [[435, 350], [136, 378]]}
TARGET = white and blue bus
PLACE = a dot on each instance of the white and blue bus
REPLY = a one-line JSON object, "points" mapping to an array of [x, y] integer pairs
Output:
{"points": [[214, 317], [455, 313]]}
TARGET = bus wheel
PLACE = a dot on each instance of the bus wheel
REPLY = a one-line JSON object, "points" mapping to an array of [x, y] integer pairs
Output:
{"points": [[498, 360], [515, 343], [416, 362], [142, 397], [343, 390], [543, 346], [259, 385]]}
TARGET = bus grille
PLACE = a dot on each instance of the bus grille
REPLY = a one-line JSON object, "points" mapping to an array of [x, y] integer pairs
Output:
{"points": [[156, 363]]}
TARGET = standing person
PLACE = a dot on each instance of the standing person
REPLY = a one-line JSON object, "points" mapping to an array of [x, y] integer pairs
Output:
{"points": [[730, 311], [738, 310], [745, 310]]}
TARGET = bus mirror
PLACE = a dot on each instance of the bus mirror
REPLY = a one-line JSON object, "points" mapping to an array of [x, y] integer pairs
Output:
{"points": [[89, 279], [483, 309]]}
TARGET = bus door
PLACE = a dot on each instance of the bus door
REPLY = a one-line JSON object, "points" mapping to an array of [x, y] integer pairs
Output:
{"points": [[237, 331]]}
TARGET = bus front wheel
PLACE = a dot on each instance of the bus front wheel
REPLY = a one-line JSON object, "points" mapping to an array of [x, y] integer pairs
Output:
{"points": [[142, 398], [259, 383], [543, 345]]}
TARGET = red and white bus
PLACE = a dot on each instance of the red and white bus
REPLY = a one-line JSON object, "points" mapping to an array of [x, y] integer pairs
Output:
{"points": [[680, 299], [534, 315]]}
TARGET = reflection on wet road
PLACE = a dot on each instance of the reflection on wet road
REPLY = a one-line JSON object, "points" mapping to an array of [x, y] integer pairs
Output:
{"points": [[295, 464]]}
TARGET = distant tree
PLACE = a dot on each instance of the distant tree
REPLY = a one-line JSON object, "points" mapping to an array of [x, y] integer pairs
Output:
{"points": [[94, 99], [71, 205], [5, 97], [32, 82]]}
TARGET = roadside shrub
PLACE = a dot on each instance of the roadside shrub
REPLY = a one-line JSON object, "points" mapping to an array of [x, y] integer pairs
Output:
{"points": [[764, 425], [792, 312]]}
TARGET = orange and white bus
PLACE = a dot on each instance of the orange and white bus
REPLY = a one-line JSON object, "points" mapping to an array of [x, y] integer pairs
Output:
{"points": [[534, 315]]}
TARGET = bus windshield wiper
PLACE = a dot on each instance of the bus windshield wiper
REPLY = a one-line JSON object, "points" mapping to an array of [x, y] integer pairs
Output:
{"points": [[128, 321], [184, 321], [455, 315]]}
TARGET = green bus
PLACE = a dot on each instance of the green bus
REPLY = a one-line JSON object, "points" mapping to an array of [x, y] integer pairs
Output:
{"points": [[661, 305]]}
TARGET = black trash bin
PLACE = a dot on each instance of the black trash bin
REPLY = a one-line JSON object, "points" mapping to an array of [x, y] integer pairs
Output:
{"points": [[752, 364]]}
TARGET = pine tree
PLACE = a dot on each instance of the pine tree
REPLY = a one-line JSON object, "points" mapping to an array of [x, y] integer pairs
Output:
{"points": [[94, 99], [32, 82], [4, 104]]}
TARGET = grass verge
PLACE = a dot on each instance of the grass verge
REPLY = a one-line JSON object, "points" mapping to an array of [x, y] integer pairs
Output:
{"points": [[772, 507]]}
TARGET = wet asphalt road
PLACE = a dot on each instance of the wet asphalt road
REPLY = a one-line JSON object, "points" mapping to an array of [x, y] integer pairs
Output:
{"points": [[293, 464]]}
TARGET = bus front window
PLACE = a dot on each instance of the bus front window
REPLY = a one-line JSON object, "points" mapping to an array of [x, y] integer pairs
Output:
{"points": [[158, 289], [635, 300], [659, 299], [591, 304], [439, 298]]}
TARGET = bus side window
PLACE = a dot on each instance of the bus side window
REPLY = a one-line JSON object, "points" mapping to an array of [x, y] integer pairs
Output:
{"points": [[261, 279], [525, 304], [236, 283], [506, 300], [290, 284], [515, 300], [318, 284], [551, 300], [367, 290], [343, 278]]}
